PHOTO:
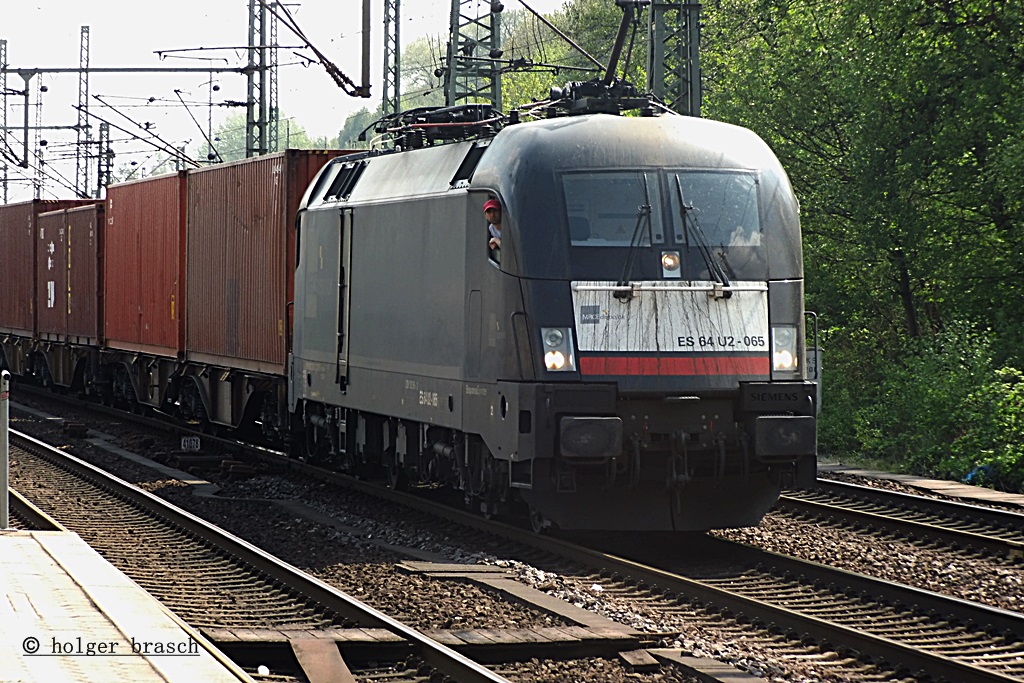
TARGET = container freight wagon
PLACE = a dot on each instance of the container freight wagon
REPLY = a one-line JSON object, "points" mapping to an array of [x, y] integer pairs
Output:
{"points": [[144, 287], [68, 301], [240, 275], [67, 267], [18, 278]]}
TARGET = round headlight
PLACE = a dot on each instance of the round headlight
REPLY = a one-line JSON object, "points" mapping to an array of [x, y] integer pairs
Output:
{"points": [[554, 360], [784, 360], [670, 260], [784, 336], [553, 337]]}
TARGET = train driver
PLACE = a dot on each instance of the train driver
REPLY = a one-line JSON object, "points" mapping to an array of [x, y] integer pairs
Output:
{"points": [[492, 212]]}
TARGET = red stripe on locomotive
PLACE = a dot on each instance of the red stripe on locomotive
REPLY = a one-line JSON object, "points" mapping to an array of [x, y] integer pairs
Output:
{"points": [[676, 365]]}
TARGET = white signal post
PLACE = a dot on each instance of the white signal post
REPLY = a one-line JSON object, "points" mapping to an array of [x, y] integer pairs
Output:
{"points": [[5, 396]]}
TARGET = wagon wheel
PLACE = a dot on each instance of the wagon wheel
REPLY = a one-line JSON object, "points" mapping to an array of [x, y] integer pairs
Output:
{"points": [[396, 476], [318, 444], [539, 521]]}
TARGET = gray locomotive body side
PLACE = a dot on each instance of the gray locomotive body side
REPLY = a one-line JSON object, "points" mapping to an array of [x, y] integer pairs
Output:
{"points": [[415, 351]]}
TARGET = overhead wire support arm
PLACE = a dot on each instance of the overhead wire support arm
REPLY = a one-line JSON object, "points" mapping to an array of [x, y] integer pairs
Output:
{"points": [[205, 136], [344, 82], [163, 54], [562, 35]]}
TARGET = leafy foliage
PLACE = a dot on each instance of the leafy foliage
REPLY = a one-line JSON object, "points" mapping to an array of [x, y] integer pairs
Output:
{"points": [[946, 409], [229, 139], [355, 124], [900, 126]]}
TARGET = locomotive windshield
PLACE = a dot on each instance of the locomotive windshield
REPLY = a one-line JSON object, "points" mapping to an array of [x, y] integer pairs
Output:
{"points": [[603, 207], [711, 217], [723, 204]]}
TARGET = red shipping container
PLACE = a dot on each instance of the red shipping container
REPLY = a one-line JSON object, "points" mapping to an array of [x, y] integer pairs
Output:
{"points": [[67, 274], [144, 265], [85, 226], [18, 262], [241, 257], [51, 275]]}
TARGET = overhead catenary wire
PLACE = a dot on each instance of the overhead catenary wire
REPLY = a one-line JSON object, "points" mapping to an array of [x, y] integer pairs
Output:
{"points": [[562, 35], [205, 136], [165, 146], [144, 127], [47, 172]]}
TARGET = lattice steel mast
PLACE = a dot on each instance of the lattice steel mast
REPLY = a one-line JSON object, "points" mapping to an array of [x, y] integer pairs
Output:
{"points": [[261, 112], [474, 44], [673, 63], [273, 129], [82, 127], [3, 112], [392, 84]]}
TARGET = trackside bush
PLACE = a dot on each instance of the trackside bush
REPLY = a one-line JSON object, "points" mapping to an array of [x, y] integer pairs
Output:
{"points": [[945, 410], [990, 422]]}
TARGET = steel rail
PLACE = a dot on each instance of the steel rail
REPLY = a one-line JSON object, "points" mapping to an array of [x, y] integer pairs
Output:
{"points": [[440, 657], [37, 520], [875, 646], [890, 649], [995, 531]]}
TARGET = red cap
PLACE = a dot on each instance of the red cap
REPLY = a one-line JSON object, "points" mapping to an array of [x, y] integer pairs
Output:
{"points": [[492, 204]]}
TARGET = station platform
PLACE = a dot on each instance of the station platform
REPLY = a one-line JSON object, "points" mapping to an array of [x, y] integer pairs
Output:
{"points": [[66, 614], [939, 487]]}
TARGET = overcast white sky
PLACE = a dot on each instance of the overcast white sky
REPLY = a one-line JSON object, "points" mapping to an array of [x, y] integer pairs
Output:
{"points": [[46, 33]]}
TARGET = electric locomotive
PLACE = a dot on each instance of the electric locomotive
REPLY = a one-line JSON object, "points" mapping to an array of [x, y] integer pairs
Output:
{"points": [[632, 358]]}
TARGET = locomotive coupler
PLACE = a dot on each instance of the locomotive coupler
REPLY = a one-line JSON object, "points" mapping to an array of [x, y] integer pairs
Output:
{"points": [[720, 465], [634, 472], [678, 469], [678, 462]]}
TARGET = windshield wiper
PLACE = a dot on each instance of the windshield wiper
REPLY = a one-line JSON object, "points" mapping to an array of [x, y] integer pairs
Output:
{"points": [[692, 227], [643, 218]]}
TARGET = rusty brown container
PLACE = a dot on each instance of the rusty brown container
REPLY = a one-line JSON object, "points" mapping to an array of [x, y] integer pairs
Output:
{"points": [[67, 274], [241, 257], [18, 262], [85, 238], [51, 275], [144, 265]]}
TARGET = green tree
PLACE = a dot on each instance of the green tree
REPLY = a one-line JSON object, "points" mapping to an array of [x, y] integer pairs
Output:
{"points": [[355, 124], [900, 130], [421, 86], [229, 141]]}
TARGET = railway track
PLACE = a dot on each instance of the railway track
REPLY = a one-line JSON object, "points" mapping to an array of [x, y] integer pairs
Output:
{"points": [[917, 632], [951, 523], [863, 629], [24, 516], [220, 581], [823, 612]]}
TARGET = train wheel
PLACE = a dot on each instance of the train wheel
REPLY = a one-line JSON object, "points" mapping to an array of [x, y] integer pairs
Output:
{"points": [[396, 477], [318, 441], [269, 422], [539, 522]]}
